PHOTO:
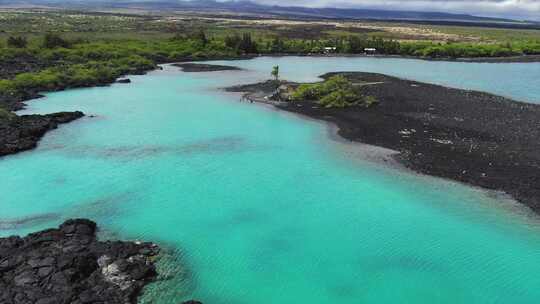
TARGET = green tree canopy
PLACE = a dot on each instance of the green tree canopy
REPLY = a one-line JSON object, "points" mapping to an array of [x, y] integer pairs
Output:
{"points": [[17, 42]]}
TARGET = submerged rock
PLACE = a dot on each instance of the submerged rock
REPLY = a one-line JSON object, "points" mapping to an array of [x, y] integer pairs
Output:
{"points": [[69, 265], [125, 80], [18, 223]]}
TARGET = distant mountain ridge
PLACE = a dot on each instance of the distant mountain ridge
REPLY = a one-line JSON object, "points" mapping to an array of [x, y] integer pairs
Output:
{"points": [[248, 7]]}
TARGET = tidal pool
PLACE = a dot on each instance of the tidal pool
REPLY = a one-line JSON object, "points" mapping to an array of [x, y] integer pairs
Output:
{"points": [[261, 206]]}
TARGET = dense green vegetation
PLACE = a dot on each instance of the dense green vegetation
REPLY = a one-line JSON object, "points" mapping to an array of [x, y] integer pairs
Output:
{"points": [[65, 64], [358, 44], [469, 50], [335, 92], [244, 43]]}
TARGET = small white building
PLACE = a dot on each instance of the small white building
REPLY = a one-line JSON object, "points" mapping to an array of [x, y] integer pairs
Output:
{"points": [[370, 50], [330, 49]]}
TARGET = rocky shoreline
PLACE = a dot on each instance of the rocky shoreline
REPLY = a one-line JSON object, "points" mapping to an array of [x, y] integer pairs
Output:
{"points": [[69, 265], [21, 133], [472, 137]]}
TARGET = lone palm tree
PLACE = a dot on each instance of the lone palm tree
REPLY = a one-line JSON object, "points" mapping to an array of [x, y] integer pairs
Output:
{"points": [[275, 72]]}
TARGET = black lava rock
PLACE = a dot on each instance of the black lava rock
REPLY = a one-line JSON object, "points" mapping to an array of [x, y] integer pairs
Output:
{"points": [[201, 67], [69, 265], [20, 133]]}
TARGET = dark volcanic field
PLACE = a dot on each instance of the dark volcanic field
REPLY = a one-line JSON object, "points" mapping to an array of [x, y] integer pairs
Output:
{"points": [[472, 137]]}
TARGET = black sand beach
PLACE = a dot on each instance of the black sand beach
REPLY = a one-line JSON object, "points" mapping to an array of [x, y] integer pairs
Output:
{"points": [[472, 137]]}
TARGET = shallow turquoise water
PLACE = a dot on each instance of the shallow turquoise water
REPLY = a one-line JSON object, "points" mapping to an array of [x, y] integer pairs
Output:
{"points": [[261, 206]]}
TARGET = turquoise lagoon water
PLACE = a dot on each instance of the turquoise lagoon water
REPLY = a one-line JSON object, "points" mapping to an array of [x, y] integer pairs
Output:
{"points": [[520, 81], [260, 206]]}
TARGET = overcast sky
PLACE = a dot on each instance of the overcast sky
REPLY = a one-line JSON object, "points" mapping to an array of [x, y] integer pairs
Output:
{"points": [[529, 9]]}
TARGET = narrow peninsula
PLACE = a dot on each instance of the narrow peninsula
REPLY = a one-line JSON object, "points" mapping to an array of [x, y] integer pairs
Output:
{"points": [[472, 137]]}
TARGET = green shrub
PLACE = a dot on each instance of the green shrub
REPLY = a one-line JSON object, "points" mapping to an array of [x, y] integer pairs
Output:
{"points": [[466, 50], [17, 42], [340, 98], [306, 92], [6, 115], [370, 101], [52, 40], [335, 92], [318, 90]]}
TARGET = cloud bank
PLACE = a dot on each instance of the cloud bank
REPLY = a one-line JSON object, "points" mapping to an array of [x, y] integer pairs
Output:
{"points": [[529, 9]]}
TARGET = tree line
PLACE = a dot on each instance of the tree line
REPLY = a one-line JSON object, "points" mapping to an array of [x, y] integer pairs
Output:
{"points": [[198, 43], [245, 44], [75, 63]]}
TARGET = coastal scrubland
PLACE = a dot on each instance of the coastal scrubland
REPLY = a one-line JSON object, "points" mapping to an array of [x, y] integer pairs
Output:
{"points": [[44, 51], [335, 92]]}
